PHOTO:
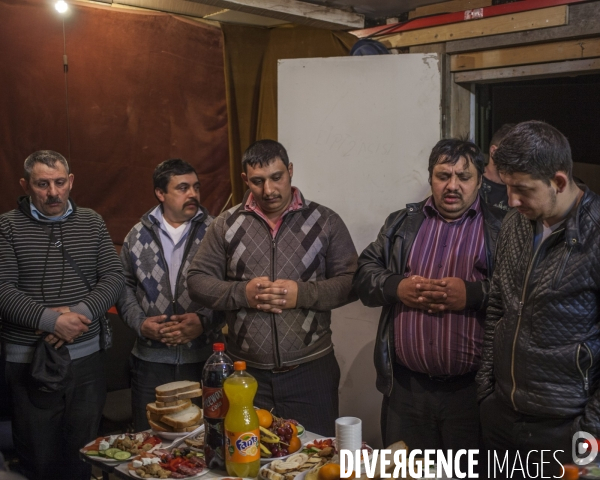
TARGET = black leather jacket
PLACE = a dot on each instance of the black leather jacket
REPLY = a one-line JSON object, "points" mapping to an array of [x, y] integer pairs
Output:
{"points": [[541, 350], [381, 267]]}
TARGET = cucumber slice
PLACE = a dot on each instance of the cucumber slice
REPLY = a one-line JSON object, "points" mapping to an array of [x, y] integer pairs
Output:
{"points": [[300, 429], [110, 453], [92, 453], [121, 455]]}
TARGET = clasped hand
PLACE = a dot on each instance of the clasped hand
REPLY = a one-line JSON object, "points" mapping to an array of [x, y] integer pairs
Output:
{"points": [[67, 328], [272, 297], [179, 330], [433, 295]]}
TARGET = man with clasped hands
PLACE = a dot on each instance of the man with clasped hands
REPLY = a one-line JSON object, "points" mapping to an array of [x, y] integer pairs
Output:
{"points": [[429, 269]]}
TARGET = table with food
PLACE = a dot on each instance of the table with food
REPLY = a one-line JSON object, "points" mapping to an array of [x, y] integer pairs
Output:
{"points": [[228, 438]]}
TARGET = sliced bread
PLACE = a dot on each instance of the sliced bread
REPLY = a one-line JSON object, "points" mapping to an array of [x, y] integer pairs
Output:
{"points": [[159, 426], [174, 388], [179, 396], [151, 407], [185, 418], [168, 404], [153, 416]]}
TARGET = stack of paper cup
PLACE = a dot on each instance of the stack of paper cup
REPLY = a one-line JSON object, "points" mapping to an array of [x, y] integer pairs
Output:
{"points": [[348, 433]]}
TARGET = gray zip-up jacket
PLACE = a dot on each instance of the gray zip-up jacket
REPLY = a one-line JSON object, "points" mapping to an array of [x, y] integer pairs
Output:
{"points": [[312, 247], [148, 292]]}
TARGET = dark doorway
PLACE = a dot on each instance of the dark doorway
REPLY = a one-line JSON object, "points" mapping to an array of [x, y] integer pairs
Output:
{"points": [[571, 104]]}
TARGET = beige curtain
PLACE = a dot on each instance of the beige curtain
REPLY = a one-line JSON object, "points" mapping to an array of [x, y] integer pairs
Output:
{"points": [[251, 56]]}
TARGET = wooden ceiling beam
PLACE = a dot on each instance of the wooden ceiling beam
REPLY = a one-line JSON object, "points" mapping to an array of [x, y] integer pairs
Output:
{"points": [[294, 11]]}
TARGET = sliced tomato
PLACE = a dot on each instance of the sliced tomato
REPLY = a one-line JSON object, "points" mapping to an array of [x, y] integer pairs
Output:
{"points": [[153, 440]]}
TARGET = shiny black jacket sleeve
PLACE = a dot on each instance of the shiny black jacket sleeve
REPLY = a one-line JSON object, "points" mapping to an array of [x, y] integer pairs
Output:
{"points": [[375, 281]]}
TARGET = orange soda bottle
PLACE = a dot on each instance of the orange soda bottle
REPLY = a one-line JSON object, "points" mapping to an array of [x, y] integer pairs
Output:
{"points": [[242, 455]]}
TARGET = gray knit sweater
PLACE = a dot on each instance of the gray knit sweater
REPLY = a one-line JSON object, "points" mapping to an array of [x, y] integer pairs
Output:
{"points": [[35, 276], [312, 247]]}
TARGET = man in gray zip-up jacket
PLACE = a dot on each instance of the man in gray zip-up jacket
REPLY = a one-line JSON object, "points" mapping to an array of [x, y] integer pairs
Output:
{"points": [[277, 264], [174, 333]]}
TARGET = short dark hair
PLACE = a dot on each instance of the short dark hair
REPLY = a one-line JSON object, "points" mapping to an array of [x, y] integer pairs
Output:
{"points": [[167, 169], [47, 157], [263, 153], [450, 150], [535, 148], [501, 133]]}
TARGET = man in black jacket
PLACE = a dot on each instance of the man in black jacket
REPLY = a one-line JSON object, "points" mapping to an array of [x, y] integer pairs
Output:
{"points": [[429, 269], [539, 373]]}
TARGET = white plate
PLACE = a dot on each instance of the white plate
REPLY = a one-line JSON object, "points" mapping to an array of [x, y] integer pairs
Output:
{"points": [[203, 472], [300, 476], [170, 435], [266, 461], [112, 461]]}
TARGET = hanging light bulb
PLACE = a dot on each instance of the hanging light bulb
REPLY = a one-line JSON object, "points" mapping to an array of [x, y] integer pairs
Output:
{"points": [[61, 6]]}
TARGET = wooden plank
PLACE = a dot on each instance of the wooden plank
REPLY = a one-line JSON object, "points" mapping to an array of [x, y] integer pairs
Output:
{"points": [[584, 20], [486, 12], [542, 53], [529, 72], [448, 7], [544, 18], [294, 11]]}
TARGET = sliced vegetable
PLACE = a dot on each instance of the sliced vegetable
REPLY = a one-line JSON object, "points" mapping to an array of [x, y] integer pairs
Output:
{"points": [[92, 453], [110, 453], [121, 455]]}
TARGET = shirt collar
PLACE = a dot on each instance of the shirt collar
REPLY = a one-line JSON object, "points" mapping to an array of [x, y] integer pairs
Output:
{"points": [[431, 211], [40, 216], [157, 217]]}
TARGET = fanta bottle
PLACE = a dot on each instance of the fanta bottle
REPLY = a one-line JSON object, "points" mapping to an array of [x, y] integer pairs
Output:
{"points": [[242, 456]]}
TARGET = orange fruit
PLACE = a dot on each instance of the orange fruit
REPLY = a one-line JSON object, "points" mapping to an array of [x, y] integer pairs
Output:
{"points": [[265, 419], [294, 430], [295, 444], [329, 471]]}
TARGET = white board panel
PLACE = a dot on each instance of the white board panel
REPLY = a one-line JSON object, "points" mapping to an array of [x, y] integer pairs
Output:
{"points": [[359, 131]]}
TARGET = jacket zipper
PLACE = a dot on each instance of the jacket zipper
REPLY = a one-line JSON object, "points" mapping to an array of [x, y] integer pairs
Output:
{"points": [[584, 375], [521, 305], [273, 259]]}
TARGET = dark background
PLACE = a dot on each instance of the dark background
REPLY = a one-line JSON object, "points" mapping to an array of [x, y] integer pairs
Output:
{"points": [[143, 87]]}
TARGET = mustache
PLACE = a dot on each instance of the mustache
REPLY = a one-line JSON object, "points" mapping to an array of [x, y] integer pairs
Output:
{"points": [[272, 197], [192, 202], [51, 200], [452, 194]]}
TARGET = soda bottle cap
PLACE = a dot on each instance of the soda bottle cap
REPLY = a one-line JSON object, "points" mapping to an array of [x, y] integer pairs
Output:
{"points": [[239, 365], [218, 347]]}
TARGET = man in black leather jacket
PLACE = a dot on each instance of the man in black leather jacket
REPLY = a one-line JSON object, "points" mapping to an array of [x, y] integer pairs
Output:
{"points": [[429, 269], [539, 373]]}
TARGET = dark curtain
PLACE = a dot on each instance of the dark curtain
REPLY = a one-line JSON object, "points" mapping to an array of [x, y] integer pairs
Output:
{"points": [[142, 87], [251, 56]]}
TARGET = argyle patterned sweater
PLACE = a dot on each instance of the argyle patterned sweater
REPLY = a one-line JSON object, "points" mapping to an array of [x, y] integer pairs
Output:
{"points": [[148, 292], [312, 247]]}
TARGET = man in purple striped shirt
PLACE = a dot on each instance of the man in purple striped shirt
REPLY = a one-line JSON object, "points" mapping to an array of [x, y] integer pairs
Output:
{"points": [[429, 269]]}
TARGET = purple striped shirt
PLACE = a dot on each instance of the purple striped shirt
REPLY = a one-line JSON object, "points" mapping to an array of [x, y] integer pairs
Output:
{"points": [[447, 343]]}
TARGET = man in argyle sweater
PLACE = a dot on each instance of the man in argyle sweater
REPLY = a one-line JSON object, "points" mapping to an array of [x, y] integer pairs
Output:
{"points": [[174, 334], [277, 264]]}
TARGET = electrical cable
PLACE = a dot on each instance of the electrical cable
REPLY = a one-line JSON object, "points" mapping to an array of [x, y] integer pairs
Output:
{"points": [[66, 70]]}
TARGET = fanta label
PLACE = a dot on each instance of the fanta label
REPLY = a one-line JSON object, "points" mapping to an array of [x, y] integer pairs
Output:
{"points": [[243, 447], [214, 403]]}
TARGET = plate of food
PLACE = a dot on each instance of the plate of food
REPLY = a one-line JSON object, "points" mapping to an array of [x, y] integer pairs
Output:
{"points": [[176, 463], [115, 449], [295, 467], [279, 438], [326, 447]]}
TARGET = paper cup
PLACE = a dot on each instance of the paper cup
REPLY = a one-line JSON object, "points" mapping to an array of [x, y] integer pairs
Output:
{"points": [[348, 433]]}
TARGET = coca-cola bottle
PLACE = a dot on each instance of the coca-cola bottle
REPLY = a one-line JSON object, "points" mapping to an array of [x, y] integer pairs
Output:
{"points": [[214, 402]]}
